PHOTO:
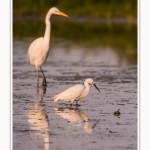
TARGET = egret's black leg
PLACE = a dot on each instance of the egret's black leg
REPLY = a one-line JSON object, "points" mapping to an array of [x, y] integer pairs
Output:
{"points": [[44, 78], [37, 76], [77, 103], [44, 91]]}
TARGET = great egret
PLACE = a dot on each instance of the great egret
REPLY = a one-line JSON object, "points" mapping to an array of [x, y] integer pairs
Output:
{"points": [[75, 92], [39, 49]]}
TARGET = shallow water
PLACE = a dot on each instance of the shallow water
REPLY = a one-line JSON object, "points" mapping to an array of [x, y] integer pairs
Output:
{"points": [[39, 123]]}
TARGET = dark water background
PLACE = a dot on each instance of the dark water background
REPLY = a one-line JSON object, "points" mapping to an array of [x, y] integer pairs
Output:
{"points": [[106, 52]]}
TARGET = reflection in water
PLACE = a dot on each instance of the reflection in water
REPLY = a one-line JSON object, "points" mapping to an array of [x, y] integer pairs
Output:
{"points": [[38, 120], [75, 115]]}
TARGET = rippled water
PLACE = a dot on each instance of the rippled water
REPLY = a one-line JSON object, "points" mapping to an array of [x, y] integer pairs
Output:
{"points": [[39, 123]]}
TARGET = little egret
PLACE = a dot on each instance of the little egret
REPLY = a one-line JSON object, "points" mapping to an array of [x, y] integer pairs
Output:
{"points": [[39, 49], [76, 92]]}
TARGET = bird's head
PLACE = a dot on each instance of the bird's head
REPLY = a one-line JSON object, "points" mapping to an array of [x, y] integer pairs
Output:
{"points": [[91, 82], [56, 11]]}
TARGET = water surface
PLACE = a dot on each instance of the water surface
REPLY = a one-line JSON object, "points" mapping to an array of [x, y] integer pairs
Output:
{"points": [[39, 123]]}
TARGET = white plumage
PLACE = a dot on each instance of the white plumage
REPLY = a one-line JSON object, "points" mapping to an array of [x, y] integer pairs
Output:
{"points": [[76, 92], [39, 49]]}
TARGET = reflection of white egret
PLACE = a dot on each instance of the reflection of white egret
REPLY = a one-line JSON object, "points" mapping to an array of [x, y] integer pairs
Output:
{"points": [[38, 121], [75, 116], [76, 92], [39, 48]]}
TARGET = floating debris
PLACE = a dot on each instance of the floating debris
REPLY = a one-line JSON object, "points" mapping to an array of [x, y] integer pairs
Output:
{"points": [[117, 113]]}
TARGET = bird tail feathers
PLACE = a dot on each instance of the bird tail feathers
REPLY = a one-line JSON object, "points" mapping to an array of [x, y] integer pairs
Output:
{"points": [[55, 98]]}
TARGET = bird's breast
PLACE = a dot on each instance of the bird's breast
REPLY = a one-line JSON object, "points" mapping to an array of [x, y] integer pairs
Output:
{"points": [[85, 93]]}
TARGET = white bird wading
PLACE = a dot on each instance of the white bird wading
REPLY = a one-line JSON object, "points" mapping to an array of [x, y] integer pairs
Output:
{"points": [[76, 92], [39, 49]]}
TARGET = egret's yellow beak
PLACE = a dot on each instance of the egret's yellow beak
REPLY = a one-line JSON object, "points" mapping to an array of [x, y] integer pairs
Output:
{"points": [[62, 14]]}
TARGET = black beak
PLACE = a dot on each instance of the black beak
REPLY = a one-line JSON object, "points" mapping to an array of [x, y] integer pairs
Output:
{"points": [[96, 87]]}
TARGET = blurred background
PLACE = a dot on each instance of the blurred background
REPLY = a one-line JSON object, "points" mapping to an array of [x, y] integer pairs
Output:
{"points": [[92, 24], [93, 8]]}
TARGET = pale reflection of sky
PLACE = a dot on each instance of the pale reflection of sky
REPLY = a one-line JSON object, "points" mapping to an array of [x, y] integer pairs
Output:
{"points": [[101, 56]]}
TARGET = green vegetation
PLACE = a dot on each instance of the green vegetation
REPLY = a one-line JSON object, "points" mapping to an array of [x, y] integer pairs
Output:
{"points": [[87, 8], [118, 36]]}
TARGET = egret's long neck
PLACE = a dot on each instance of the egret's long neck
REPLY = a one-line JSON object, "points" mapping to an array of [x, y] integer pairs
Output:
{"points": [[48, 28], [87, 86], [86, 91]]}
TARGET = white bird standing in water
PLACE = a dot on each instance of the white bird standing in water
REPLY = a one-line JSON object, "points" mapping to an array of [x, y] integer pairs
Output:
{"points": [[76, 92], [39, 48]]}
